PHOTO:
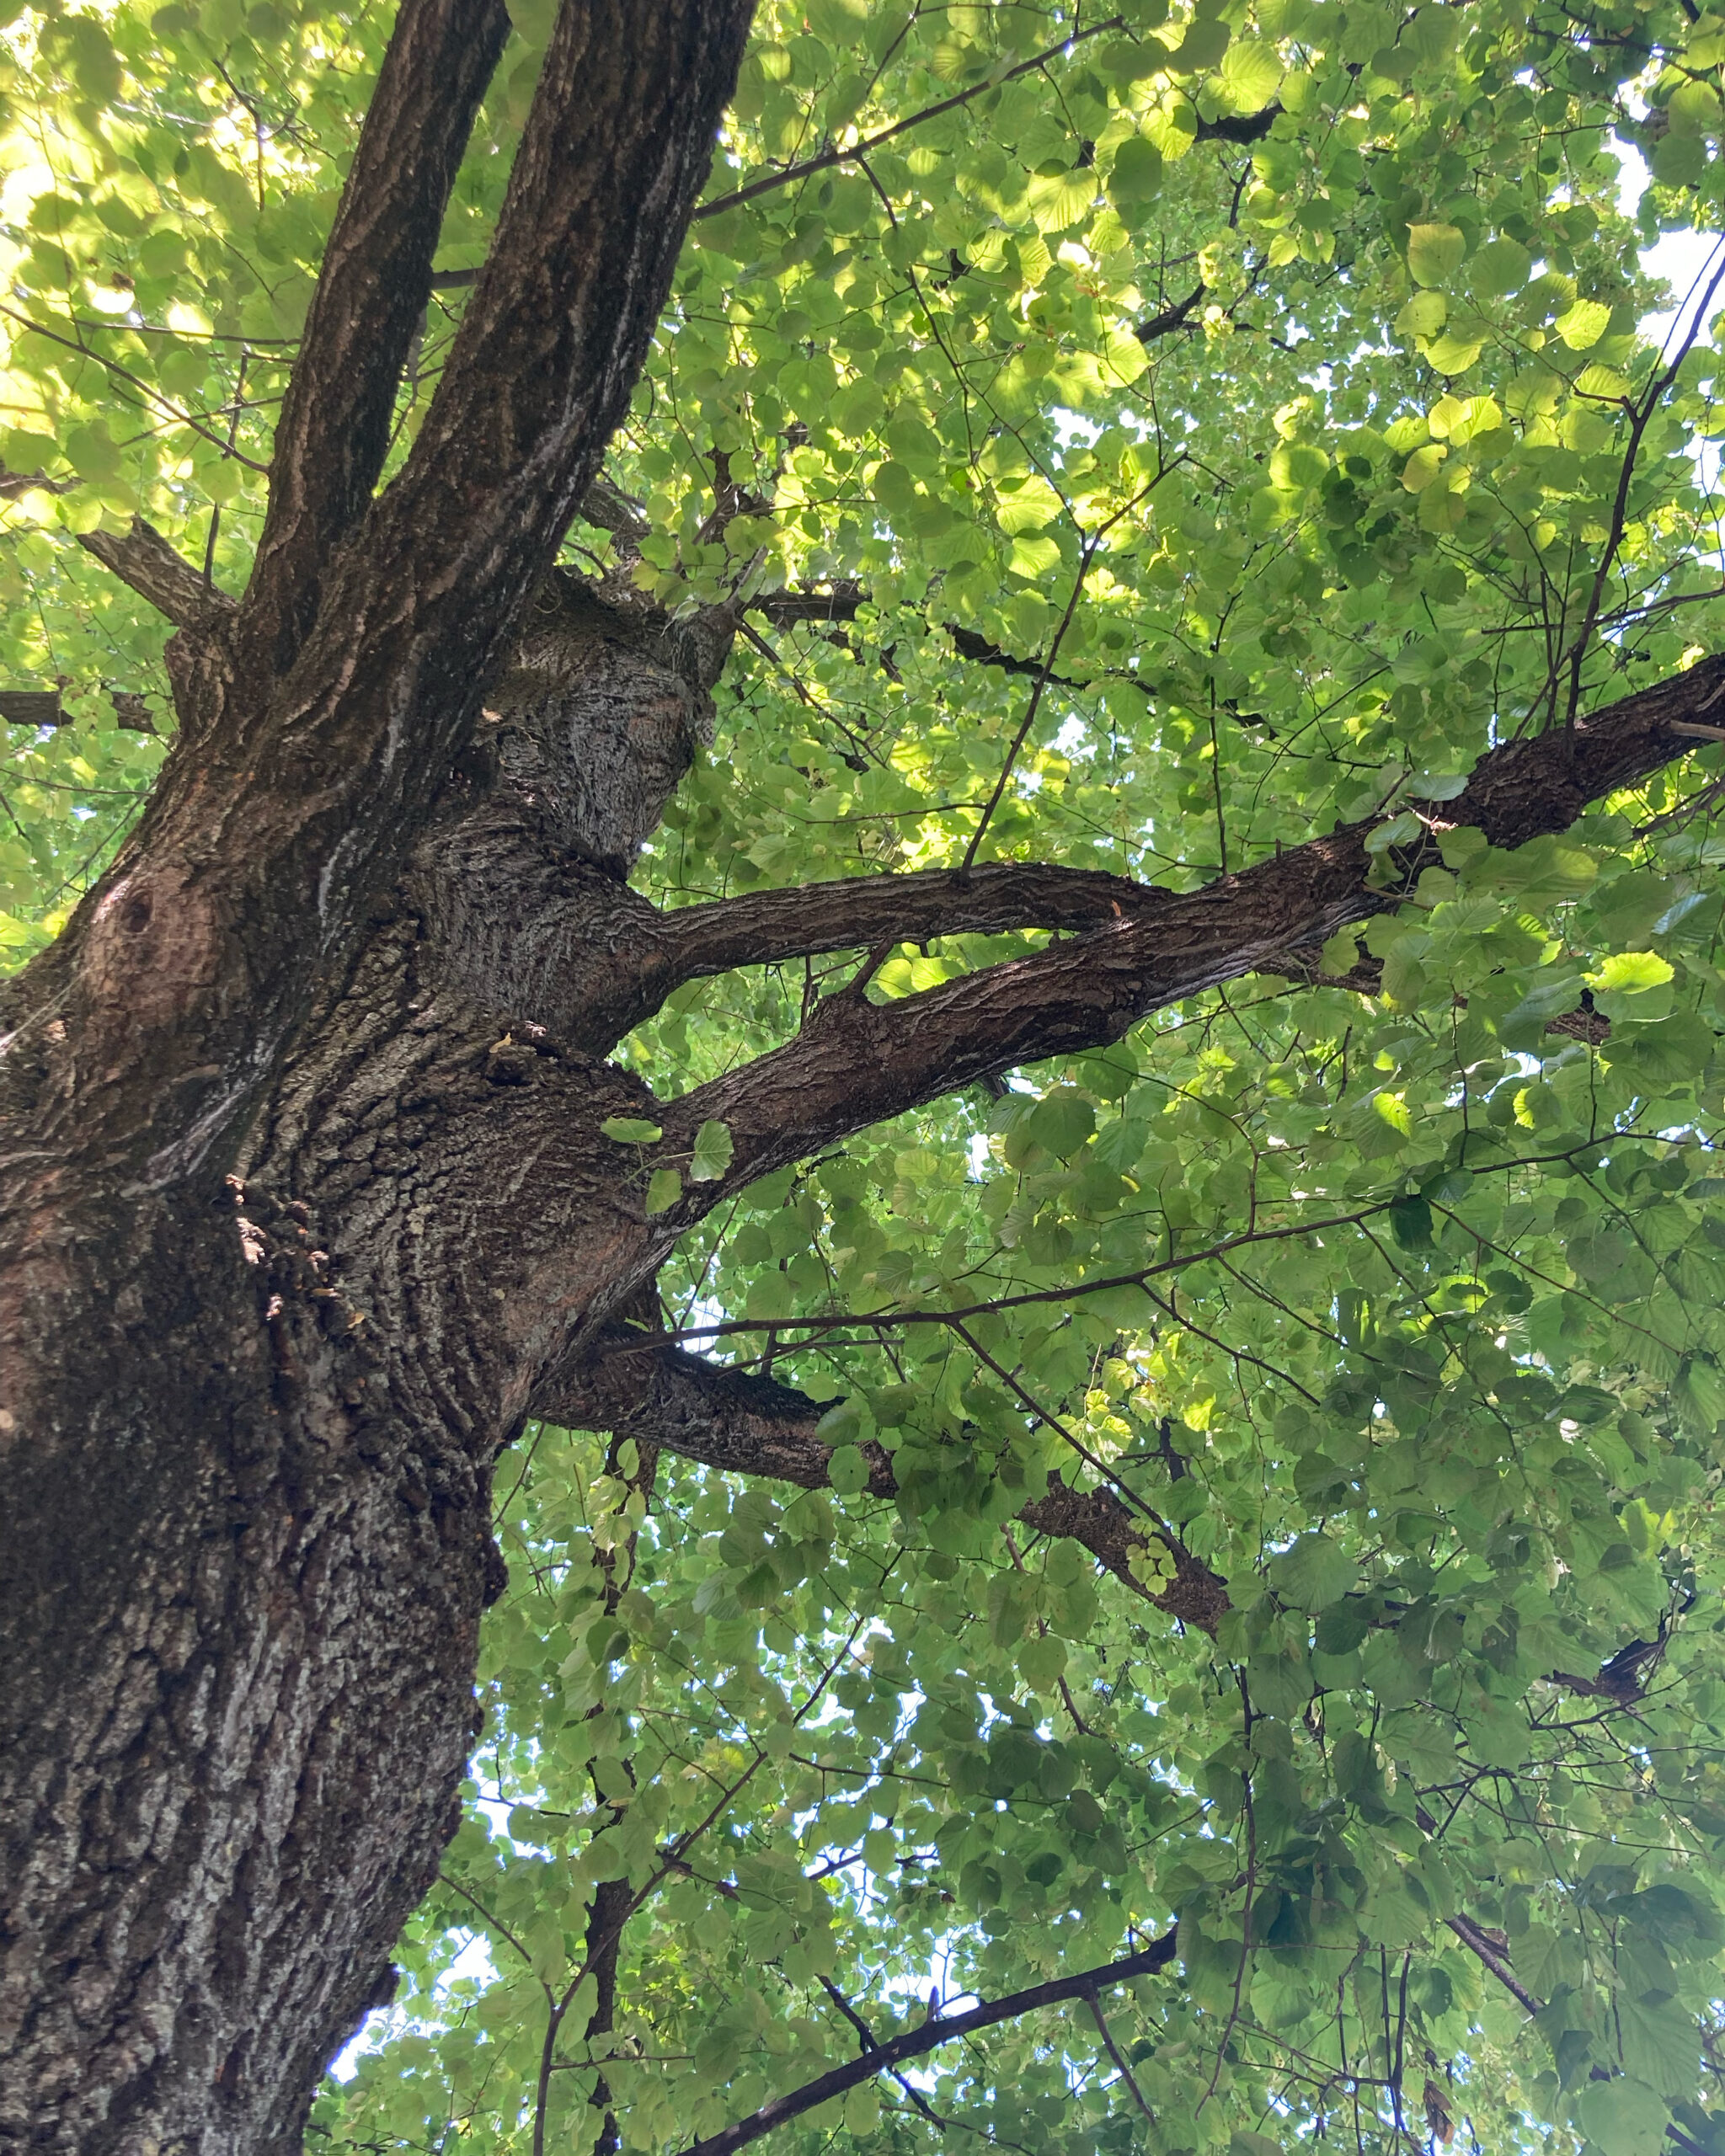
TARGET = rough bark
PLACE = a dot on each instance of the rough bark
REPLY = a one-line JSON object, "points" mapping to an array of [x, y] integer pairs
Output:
{"points": [[748, 1424], [248, 1433], [306, 1198]]}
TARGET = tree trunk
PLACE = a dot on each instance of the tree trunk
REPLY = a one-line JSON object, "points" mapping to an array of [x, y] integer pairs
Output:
{"points": [[289, 1222], [251, 1424], [307, 1199]]}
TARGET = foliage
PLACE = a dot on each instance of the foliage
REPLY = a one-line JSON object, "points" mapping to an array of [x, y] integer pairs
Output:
{"points": [[1264, 388]]}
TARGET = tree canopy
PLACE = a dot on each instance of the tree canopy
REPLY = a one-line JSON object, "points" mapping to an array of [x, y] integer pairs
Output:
{"points": [[1166, 1594]]}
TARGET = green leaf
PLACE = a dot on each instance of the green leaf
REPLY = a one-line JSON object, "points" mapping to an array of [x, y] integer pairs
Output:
{"points": [[1500, 266], [631, 1130], [1630, 972], [665, 1186], [1582, 325], [1411, 1223], [848, 1471], [1136, 177], [1314, 1573], [1661, 2045], [1624, 2118], [1203, 45], [1434, 253], [712, 1153], [1062, 1122]]}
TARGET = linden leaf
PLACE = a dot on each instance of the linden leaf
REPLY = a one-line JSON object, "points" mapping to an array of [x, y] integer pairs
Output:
{"points": [[631, 1129], [712, 1153], [665, 1188]]}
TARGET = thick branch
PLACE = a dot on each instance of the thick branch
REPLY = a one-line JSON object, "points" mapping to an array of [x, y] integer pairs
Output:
{"points": [[745, 1424], [856, 1062], [604, 959], [186, 968], [31, 708], [144, 559], [542, 364], [43, 707], [913, 2043], [763, 928], [371, 293]]}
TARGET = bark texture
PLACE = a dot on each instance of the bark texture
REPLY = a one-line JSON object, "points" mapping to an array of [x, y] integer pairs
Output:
{"points": [[247, 1433], [306, 1200]]}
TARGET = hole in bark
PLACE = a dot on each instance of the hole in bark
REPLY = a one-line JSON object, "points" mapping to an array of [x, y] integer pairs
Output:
{"points": [[135, 915]]}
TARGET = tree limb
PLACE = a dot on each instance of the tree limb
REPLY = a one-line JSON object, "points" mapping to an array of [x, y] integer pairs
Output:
{"points": [[636, 1386], [372, 294], [827, 158], [315, 776], [913, 2043], [856, 1062], [142, 557], [1474, 1938], [1171, 317], [763, 928], [549, 348]]}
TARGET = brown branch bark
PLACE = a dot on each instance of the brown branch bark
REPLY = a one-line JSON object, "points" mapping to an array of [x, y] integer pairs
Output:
{"points": [[1171, 317], [762, 927], [142, 557], [31, 708], [746, 1424], [1491, 1957], [259, 855], [914, 2043], [372, 289], [549, 346], [857, 1063]]}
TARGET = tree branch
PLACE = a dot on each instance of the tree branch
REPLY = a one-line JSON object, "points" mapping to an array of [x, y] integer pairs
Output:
{"points": [[827, 158], [142, 557], [1171, 317], [639, 1386], [762, 927], [629, 98], [856, 1062], [372, 294], [1475, 1940], [913, 2043], [315, 776]]}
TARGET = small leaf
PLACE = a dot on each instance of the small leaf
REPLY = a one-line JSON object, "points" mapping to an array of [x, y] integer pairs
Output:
{"points": [[841, 1424], [1396, 832], [713, 1151], [663, 1188], [1502, 266], [1583, 325], [1629, 973], [631, 1130], [1136, 177], [1314, 1573], [1411, 1223], [847, 1471], [1434, 253], [1422, 467], [1423, 316]]}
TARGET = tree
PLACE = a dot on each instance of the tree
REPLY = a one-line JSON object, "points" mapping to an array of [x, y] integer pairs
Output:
{"points": [[1002, 1061]]}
